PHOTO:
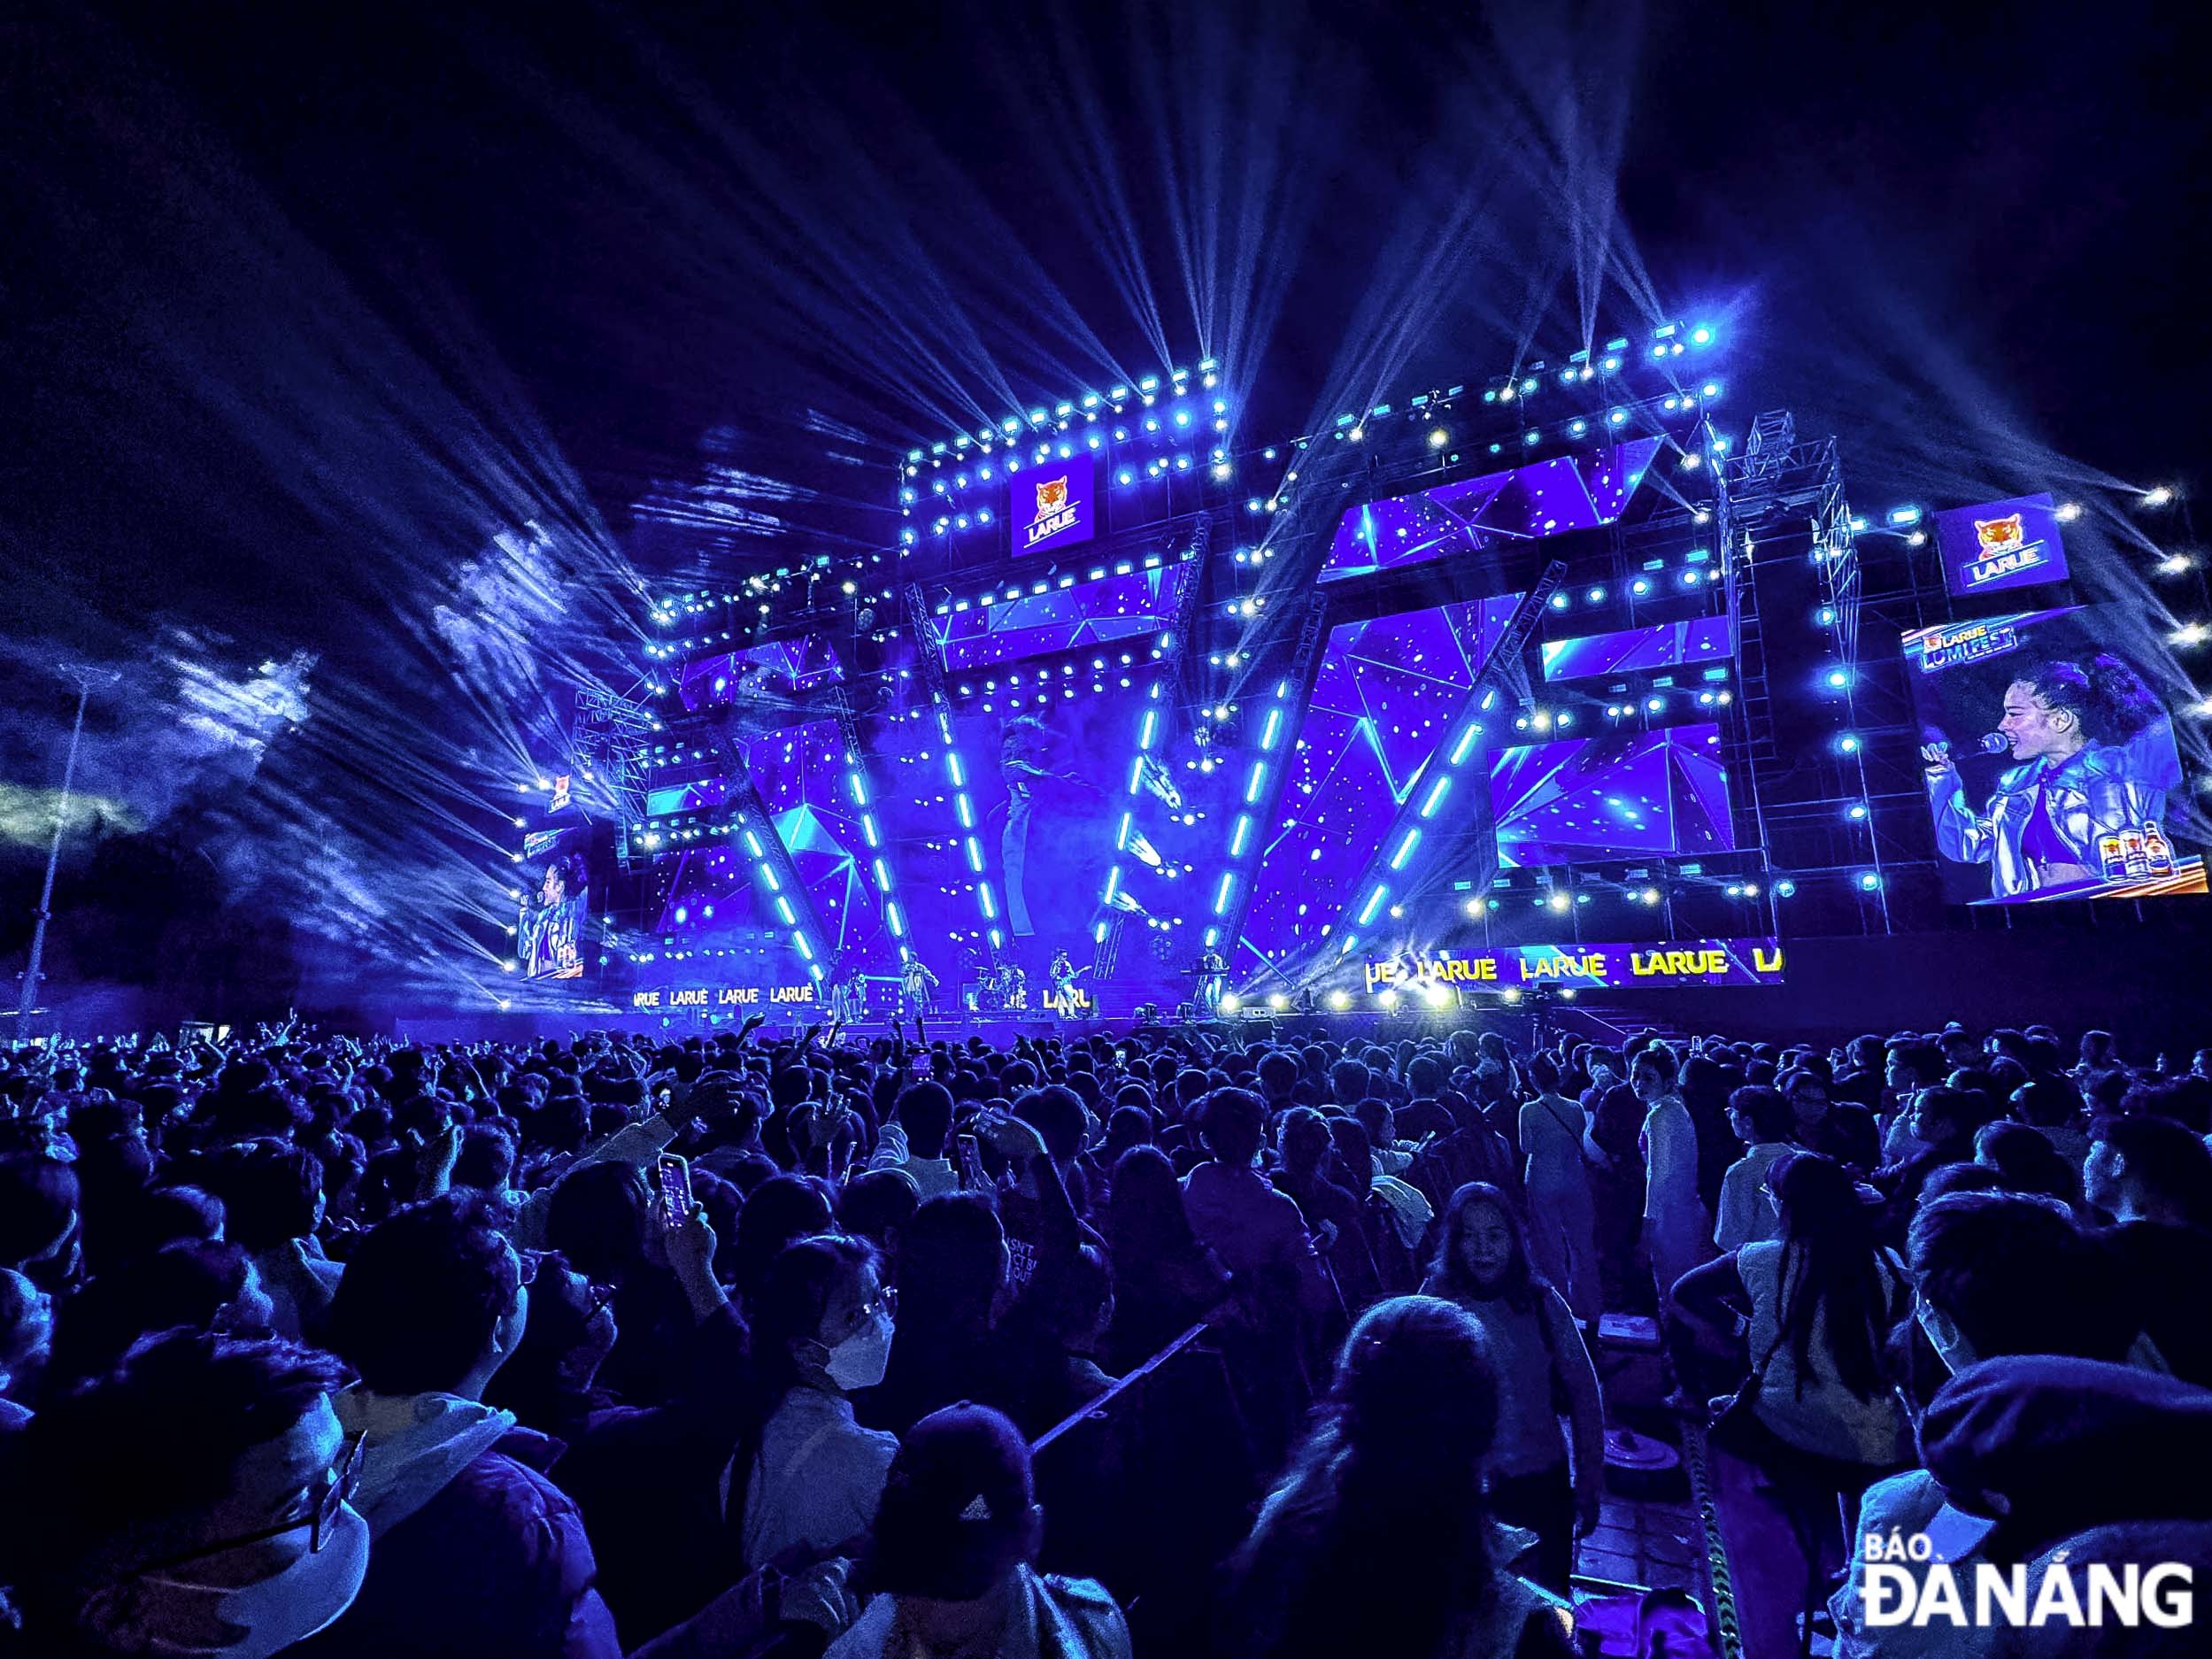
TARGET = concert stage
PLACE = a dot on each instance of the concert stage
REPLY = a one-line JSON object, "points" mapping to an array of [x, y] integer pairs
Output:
{"points": [[1434, 714]]}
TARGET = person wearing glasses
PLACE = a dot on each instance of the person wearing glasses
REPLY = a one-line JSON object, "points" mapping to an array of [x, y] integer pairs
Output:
{"points": [[809, 1476], [476, 1551], [193, 1499]]}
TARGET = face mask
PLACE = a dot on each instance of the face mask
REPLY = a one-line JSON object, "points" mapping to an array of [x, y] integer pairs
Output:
{"points": [[860, 1361], [156, 1614]]}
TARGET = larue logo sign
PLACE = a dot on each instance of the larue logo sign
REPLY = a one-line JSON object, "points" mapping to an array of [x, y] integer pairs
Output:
{"points": [[2001, 544], [1055, 505]]}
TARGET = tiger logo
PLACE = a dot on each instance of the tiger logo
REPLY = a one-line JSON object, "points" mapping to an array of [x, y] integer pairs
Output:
{"points": [[1053, 497], [1997, 535]]}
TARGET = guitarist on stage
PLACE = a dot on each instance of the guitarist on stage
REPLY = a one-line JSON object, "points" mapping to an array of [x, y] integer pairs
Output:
{"points": [[1063, 976]]}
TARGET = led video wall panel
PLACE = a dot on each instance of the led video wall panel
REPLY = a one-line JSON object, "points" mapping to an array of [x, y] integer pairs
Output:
{"points": [[780, 669], [1547, 498], [1112, 608], [801, 774], [1387, 693], [2051, 763], [1634, 794], [1635, 650], [805, 784]]}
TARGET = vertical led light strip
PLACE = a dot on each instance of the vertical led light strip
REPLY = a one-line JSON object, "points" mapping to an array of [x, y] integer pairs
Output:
{"points": [[1435, 788], [1242, 839], [956, 774], [780, 901], [857, 785]]}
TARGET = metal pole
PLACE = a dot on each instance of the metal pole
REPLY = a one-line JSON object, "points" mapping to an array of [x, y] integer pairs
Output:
{"points": [[53, 861]]}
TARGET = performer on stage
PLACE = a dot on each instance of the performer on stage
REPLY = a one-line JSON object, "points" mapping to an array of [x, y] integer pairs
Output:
{"points": [[1213, 974], [1063, 973], [2090, 768], [915, 983]]}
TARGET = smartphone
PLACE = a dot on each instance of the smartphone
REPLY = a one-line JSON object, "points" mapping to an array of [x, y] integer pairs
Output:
{"points": [[1120, 1056], [673, 1180], [919, 1066], [971, 1164]]}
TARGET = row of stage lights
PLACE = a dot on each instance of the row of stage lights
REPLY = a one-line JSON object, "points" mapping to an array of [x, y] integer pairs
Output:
{"points": [[1539, 718], [1012, 591], [1065, 414]]}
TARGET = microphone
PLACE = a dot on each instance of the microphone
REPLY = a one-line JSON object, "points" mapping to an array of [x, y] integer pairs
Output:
{"points": [[1992, 743]]}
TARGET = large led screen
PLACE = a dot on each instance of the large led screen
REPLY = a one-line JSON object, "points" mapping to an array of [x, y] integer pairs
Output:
{"points": [[1387, 693], [1010, 827], [1547, 498], [1635, 794], [2048, 760]]}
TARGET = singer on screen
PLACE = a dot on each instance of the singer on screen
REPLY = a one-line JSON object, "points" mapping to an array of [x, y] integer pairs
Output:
{"points": [[2090, 765], [1047, 842]]}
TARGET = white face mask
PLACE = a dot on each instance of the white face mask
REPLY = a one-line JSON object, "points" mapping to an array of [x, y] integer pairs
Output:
{"points": [[860, 1360], [158, 1615]]}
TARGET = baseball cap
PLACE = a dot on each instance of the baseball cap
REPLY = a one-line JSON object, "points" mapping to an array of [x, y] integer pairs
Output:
{"points": [[956, 1512]]}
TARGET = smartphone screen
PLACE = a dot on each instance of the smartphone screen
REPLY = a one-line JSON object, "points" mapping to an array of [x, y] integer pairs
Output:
{"points": [[971, 1164], [919, 1066], [674, 1173]]}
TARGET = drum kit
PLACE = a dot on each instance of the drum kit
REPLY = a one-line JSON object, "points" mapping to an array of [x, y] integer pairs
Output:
{"points": [[1001, 989]]}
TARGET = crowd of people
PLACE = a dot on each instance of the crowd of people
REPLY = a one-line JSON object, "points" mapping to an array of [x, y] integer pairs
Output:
{"points": [[724, 1346]]}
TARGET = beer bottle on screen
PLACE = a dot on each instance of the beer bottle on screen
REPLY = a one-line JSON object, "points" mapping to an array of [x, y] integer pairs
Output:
{"points": [[2156, 849]]}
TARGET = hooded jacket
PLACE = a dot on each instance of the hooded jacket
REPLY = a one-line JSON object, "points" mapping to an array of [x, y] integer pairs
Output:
{"points": [[473, 1550]]}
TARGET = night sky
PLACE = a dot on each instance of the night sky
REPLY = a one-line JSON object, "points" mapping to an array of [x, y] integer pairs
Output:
{"points": [[297, 303]]}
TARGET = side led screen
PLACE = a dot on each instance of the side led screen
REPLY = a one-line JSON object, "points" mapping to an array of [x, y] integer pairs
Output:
{"points": [[549, 935], [2049, 761], [1637, 794], [1387, 693], [1548, 498], [1633, 650]]}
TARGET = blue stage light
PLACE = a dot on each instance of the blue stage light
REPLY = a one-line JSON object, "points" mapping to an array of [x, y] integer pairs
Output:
{"points": [[1785, 889], [1701, 336], [1597, 596], [1837, 679], [1848, 743], [1868, 881]]}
